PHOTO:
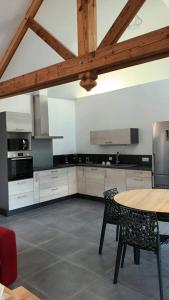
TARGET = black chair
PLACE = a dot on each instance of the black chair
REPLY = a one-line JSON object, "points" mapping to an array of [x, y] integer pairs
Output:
{"points": [[111, 215], [140, 230]]}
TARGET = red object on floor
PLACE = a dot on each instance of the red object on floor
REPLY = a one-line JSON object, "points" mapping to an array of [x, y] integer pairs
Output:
{"points": [[8, 256]]}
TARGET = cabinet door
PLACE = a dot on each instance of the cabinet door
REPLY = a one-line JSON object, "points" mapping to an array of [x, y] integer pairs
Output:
{"points": [[95, 181], [20, 186], [81, 180], [72, 180], [115, 179], [20, 200], [36, 187], [18, 122], [138, 179]]}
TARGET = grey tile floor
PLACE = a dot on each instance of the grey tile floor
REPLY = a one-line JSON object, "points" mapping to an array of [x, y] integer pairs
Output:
{"points": [[58, 256]]}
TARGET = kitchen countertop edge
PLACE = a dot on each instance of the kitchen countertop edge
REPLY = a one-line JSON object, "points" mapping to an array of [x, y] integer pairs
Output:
{"points": [[59, 166]]}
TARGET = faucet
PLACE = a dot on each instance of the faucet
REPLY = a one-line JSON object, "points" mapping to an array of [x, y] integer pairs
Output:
{"points": [[117, 158]]}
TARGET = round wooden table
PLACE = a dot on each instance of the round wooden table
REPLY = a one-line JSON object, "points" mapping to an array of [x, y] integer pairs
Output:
{"points": [[152, 200]]}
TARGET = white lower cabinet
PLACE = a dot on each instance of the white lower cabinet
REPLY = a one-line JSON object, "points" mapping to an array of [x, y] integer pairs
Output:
{"points": [[115, 178], [56, 183], [20, 193], [95, 181], [81, 180], [136, 179], [72, 180], [51, 184]]}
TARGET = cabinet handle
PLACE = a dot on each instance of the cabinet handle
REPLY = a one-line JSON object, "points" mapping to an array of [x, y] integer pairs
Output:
{"points": [[22, 182], [108, 142], [36, 177], [20, 129], [54, 189], [54, 177], [21, 197], [54, 171]]}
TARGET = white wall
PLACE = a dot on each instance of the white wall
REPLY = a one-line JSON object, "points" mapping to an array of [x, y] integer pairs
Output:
{"points": [[61, 119], [137, 106], [62, 122], [20, 103]]}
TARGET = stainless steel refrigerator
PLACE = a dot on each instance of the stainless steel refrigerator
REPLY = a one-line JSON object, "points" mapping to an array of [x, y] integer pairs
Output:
{"points": [[161, 154]]}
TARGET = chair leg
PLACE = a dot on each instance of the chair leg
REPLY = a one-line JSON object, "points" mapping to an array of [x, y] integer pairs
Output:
{"points": [[123, 255], [160, 273], [102, 237], [117, 232], [136, 255], [118, 259]]}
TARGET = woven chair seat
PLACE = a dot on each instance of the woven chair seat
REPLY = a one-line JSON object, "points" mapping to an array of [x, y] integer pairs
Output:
{"points": [[164, 239]]}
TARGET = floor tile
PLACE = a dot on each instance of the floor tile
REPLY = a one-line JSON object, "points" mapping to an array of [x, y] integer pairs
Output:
{"points": [[34, 260], [65, 244], [90, 259], [62, 280]]}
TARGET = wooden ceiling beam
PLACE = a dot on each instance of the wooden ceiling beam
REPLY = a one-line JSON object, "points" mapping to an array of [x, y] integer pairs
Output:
{"points": [[48, 38], [87, 37], [122, 22], [147, 47], [31, 12]]}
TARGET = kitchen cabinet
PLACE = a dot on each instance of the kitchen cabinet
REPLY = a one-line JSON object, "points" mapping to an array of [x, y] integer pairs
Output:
{"points": [[18, 122], [95, 181], [115, 178], [81, 180], [20, 193], [124, 136], [136, 179], [72, 180], [51, 184]]}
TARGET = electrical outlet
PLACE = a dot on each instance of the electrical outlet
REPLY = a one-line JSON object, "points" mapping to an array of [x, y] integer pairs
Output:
{"points": [[110, 158], [145, 159]]}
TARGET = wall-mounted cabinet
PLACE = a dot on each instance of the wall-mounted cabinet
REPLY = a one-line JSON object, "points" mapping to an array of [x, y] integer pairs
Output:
{"points": [[125, 136], [18, 122]]}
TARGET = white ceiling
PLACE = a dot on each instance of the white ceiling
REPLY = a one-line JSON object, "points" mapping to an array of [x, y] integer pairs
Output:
{"points": [[59, 17]]}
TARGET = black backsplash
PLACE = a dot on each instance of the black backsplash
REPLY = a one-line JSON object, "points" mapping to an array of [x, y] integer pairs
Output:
{"points": [[98, 158]]}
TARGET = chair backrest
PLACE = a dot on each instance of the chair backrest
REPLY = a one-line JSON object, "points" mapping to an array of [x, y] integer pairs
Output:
{"points": [[112, 209], [139, 229]]}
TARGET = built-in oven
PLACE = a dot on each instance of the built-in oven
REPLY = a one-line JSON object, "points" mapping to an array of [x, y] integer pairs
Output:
{"points": [[18, 144], [20, 165]]}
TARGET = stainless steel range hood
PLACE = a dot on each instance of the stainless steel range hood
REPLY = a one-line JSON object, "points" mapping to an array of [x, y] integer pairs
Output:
{"points": [[41, 117]]}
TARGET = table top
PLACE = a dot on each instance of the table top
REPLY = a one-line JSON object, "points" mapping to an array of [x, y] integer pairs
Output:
{"points": [[153, 200], [20, 293]]}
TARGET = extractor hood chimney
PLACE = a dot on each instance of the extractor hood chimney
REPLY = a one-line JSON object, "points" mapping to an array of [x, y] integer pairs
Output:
{"points": [[41, 117]]}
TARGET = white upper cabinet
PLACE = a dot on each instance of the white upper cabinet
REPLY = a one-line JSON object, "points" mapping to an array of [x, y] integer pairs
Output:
{"points": [[125, 136], [18, 122]]}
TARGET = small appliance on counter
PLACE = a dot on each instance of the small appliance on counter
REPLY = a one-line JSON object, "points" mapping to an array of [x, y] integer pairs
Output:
{"points": [[20, 165]]}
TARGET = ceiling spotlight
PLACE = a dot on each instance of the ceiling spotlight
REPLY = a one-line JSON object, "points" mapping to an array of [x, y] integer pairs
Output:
{"points": [[135, 23]]}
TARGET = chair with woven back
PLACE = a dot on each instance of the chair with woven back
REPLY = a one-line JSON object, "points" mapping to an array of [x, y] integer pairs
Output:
{"points": [[111, 215], [140, 230]]}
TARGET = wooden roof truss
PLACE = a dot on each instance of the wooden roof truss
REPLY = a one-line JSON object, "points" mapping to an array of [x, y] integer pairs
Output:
{"points": [[91, 60]]}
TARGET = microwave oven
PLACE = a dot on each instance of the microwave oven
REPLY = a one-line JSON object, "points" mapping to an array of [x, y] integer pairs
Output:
{"points": [[18, 144]]}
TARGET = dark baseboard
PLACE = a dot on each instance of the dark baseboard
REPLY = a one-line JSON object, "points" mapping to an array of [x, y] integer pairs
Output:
{"points": [[8, 213]]}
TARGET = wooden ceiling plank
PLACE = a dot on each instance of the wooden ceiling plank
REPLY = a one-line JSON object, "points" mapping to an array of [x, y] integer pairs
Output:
{"points": [[122, 22], [147, 47], [48, 38], [16, 40], [87, 37]]}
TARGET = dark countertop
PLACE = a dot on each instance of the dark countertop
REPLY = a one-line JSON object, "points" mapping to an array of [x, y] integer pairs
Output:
{"points": [[113, 166]]}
